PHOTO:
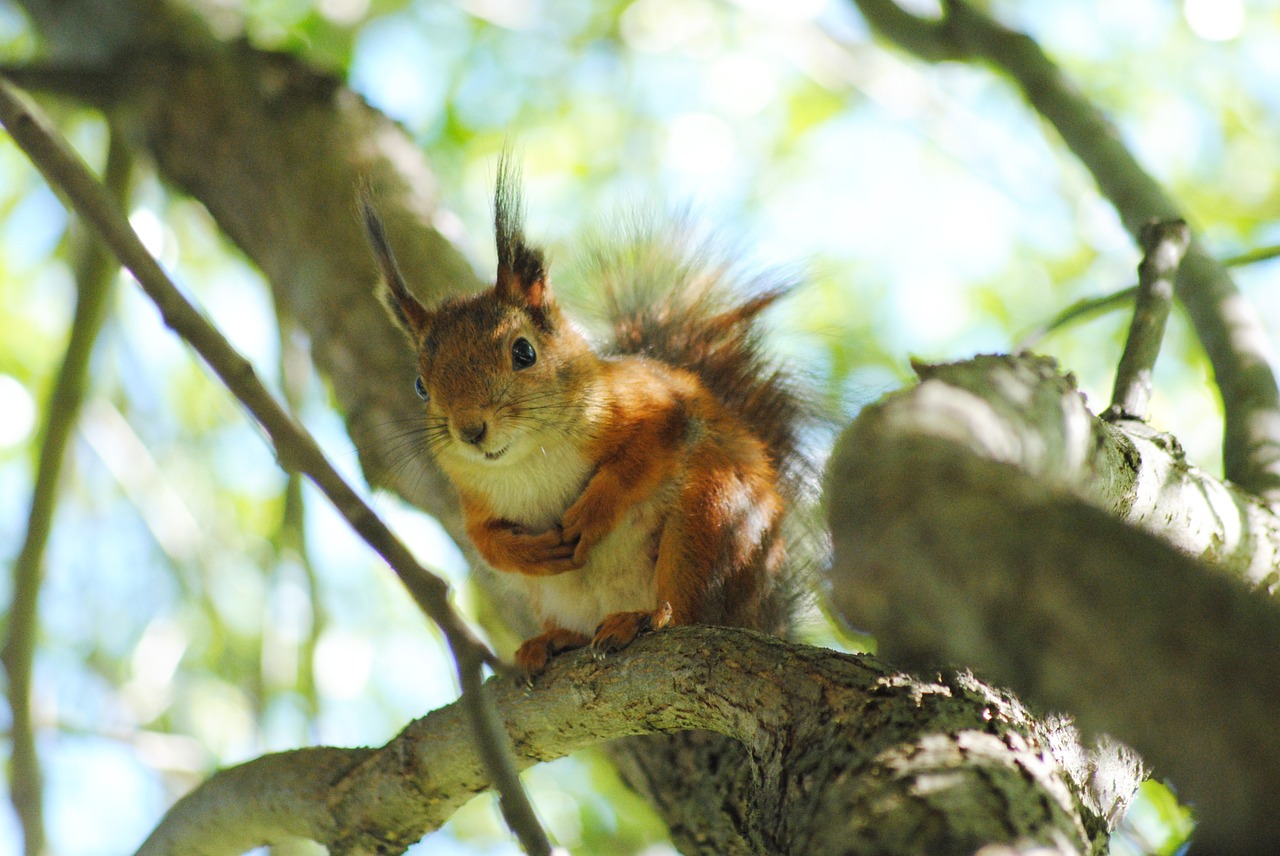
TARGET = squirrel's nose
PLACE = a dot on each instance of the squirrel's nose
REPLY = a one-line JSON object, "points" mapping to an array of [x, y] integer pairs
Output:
{"points": [[473, 432]]}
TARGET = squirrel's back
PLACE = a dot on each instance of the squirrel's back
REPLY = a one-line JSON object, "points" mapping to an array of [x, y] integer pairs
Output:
{"points": [[672, 294]]}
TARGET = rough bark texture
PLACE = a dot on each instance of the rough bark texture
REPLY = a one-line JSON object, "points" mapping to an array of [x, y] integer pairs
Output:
{"points": [[839, 755], [1022, 411], [960, 538]]}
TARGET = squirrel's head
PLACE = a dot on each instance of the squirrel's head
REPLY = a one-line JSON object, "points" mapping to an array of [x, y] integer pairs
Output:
{"points": [[502, 371]]}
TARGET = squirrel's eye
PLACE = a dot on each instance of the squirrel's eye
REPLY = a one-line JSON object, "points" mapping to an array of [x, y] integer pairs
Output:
{"points": [[522, 354], [421, 388]]}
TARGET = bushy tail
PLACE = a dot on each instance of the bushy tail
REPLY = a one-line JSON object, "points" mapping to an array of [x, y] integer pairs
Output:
{"points": [[674, 296], [680, 298]]}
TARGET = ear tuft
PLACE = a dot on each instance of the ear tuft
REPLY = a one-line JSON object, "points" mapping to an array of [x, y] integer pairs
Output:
{"points": [[522, 269], [412, 316], [396, 311]]}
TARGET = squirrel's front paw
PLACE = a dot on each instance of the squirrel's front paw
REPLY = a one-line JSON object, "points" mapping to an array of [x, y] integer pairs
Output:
{"points": [[584, 527], [620, 629], [541, 554]]}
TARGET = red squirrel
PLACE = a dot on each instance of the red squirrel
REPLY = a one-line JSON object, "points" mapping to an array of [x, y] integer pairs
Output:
{"points": [[625, 489]]}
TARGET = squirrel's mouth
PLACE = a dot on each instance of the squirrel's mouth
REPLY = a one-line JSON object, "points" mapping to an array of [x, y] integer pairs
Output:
{"points": [[493, 456]]}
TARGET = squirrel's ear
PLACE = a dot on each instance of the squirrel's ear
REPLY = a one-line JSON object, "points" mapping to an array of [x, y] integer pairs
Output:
{"points": [[412, 316], [524, 287], [522, 269], [403, 306]]}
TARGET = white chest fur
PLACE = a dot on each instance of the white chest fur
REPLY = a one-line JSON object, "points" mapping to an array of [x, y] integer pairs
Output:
{"points": [[618, 576], [533, 490]]}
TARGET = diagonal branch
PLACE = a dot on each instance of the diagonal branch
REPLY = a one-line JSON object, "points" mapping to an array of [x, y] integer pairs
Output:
{"points": [[1163, 246], [95, 275], [296, 449], [1230, 331]]}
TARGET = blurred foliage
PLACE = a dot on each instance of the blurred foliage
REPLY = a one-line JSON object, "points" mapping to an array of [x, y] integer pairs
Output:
{"points": [[1156, 824], [199, 610]]}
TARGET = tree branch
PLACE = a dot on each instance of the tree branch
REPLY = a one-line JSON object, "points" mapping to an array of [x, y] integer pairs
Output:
{"points": [[493, 744], [1090, 307], [926, 38], [295, 448], [1230, 331], [89, 85], [828, 734], [1022, 412], [974, 522], [289, 540], [95, 275], [267, 801], [1163, 245]]}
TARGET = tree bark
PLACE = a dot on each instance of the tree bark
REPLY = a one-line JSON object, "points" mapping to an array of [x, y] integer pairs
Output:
{"points": [[980, 518], [842, 755]]}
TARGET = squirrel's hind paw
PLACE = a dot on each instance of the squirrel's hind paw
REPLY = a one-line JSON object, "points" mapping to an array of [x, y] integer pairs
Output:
{"points": [[532, 656], [620, 629]]}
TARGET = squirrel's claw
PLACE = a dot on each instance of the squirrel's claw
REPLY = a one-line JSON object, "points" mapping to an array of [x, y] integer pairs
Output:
{"points": [[620, 629], [532, 656]]}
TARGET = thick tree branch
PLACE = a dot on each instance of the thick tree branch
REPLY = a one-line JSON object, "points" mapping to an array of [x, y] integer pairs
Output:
{"points": [[905, 766], [974, 522], [95, 274], [267, 801], [296, 449], [1231, 332], [90, 85], [1163, 245], [1021, 411]]}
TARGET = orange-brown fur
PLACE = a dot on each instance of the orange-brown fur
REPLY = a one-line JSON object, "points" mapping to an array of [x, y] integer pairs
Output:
{"points": [[623, 492]]}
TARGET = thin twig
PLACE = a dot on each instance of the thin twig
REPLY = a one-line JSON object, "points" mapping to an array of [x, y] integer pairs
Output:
{"points": [[1251, 257], [1082, 310], [290, 538], [1232, 334], [296, 449], [1092, 307], [95, 274], [497, 756], [1164, 243]]}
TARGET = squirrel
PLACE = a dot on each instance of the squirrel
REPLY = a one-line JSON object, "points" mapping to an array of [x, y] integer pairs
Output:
{"points": [[628, 487]]}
